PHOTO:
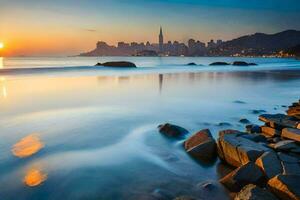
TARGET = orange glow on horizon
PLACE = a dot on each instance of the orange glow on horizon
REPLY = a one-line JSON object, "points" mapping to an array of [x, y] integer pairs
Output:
{"points": [[27, 146]]}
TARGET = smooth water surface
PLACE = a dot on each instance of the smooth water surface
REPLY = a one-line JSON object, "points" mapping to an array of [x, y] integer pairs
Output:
{"points": [[83, 135]]}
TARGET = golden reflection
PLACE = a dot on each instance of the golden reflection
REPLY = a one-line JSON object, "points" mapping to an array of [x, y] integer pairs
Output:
{"points": [[27, 146], [1, 63], [2, 82], [34, 177]]}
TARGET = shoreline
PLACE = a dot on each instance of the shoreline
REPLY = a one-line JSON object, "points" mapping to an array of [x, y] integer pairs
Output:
{"points": [[266, 159]]}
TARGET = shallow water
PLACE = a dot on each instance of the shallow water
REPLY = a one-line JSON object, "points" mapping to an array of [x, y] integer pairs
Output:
{"points": [[93, 135]]}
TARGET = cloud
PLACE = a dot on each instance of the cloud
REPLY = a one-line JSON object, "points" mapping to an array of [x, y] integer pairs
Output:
{"points": [[90, 30]]}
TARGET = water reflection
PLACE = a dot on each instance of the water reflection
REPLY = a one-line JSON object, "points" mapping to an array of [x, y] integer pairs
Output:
{"points": [[27, 146], [34, 177], [1, 63], [3, 86]]}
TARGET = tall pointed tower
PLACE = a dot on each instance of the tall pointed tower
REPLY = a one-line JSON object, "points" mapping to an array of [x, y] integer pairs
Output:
{"points": [[161, 40]]}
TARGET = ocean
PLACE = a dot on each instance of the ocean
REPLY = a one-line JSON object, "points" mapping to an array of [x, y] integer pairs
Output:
{"points": [[73, 131]]}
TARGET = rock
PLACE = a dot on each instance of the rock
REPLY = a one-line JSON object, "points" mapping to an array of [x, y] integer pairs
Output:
{"points": [[201, 145], [191, 64], [246, 174], [253, 128], [270, 131], [258, 111], [279, 121], [237, 150], [117, 64], [288, 158], [285, 145], [162, 194], [224, 124], [171, 130], [242, 63], [286, 187], [244, 121], [291, 168], [253, 192], [255, 137], [291, 133], [219, 63], [269, 164], [239, 102]]}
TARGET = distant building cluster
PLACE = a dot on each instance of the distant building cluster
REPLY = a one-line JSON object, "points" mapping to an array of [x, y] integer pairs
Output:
{"points": [[192, 48]]}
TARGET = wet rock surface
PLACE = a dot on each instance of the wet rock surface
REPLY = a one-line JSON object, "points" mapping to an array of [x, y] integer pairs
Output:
{"points": [[253, 192], [244, 175], [171, 130], [201, 145], [286, 187]]}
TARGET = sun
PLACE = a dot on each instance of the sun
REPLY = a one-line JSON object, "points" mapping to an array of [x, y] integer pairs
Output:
{"points": [[1, 45]]}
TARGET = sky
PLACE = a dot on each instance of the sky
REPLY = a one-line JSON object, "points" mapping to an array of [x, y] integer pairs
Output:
{"points": [[69, 27]]}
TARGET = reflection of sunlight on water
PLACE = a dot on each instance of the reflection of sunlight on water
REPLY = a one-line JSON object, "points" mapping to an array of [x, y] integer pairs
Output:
{"points": [[34, 177], [2, 83], [1, 63], [27, 146]]}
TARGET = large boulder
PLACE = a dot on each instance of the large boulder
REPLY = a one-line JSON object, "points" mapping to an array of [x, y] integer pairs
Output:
{"points": [[171, 130], [219, 63], [236, 149], [117, 64], [286, 187], [253, 192], [201, 145], [246, 174], [269, 164], [291, 133]]}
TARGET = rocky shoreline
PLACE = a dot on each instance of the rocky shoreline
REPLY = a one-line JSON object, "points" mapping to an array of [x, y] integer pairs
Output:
{"points": [[266, 159]]}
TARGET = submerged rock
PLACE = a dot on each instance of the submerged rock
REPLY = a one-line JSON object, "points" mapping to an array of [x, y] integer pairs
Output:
{"points": [[253, 192], [239, 102], [117, 64], [244, 121], [219, 63], [286, 187], [201, 145], [171, 130], [246, 174]]}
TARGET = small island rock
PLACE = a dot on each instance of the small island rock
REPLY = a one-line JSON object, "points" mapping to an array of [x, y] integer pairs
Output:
{"points": [[117, 64]]}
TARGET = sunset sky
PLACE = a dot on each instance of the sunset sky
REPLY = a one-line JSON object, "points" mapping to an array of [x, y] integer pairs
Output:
{"points": [[68, 27]]}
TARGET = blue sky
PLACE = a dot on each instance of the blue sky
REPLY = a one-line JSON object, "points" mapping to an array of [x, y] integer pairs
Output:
{"points": [[74, 21]]}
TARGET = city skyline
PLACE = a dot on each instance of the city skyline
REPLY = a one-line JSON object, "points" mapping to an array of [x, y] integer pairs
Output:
{"points": [[70, 27]]}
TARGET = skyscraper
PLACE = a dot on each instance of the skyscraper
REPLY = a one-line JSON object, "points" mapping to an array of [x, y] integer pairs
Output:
{"points": [[161, 40]]}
